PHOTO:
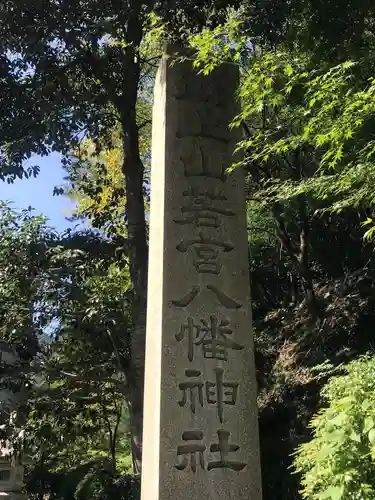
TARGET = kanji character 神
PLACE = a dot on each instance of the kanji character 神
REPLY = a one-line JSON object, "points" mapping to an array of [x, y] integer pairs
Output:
{"points": [[220, 392], [194, 388]]}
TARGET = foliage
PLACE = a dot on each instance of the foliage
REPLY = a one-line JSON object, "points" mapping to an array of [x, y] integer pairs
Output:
{"points": [[80, 379], [95, 181], [306, 115], [75, 78], [24, 241], [70, 302], [338, 463], [65, 303], [308, 126]]}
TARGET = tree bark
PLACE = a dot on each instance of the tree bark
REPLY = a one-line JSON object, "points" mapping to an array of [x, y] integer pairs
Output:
{"points": [[133, 171], [138, 261], [299, 254], [137, 249]]}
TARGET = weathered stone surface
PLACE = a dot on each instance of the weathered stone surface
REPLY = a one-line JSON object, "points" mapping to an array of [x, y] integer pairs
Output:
{"points": [[200, 436], [11, 477]]}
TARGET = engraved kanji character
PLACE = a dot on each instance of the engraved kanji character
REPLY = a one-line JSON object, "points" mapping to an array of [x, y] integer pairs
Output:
{"points": [[201, 211], [191, 451], [221, 393], [192, 387], [204, 156], [206, 253], [224, 448], [190, 331], [224, 300], [213, 336]]}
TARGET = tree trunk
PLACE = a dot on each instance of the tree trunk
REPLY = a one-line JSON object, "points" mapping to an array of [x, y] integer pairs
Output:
{"points": [[299, 253], [133, 171], [302, 259], [138, 261], [137, 250]]}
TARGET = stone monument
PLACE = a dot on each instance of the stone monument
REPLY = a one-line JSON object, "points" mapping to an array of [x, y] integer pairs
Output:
{"points": [[200, 437]]}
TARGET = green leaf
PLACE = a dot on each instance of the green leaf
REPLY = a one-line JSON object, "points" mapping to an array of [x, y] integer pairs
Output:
{"points": [[367, 222], [332, 493], [371, 437], [289, 70], [324, 452], [354, 436], [368, 424], [369, 234]]}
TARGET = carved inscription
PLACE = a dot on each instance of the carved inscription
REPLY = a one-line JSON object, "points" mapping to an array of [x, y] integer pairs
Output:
{"points": [[198, 90], [219, 392], [213, 335], [193, 452], [205, 208], [224, 448], [202, 139], [206, 253], [192, 389], [204, 157], [224, 299]]}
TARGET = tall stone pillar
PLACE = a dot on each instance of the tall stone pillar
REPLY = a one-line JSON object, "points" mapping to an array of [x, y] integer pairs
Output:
{"points": [[200, 439]]}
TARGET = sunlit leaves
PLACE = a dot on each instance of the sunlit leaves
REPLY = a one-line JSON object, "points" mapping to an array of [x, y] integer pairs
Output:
{"points": [[338, 463], [298, 116]]}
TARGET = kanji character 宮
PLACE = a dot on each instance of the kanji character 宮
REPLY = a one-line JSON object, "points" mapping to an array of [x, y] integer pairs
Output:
{"points": [[191, 450], [206, 253], [201, 211], [224, 448]]}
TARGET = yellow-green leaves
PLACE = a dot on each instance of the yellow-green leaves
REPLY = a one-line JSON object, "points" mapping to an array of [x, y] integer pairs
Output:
{"points": [[370, 233], [338, 463]]}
